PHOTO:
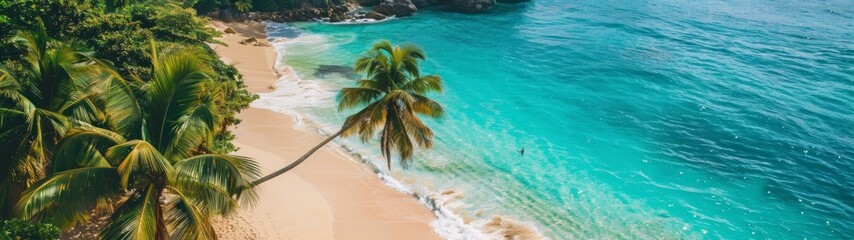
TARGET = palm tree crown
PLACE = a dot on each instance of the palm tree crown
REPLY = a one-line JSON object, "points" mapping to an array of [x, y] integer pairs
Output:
{"points": [[393, 95], [164, 185], [55, 86]]}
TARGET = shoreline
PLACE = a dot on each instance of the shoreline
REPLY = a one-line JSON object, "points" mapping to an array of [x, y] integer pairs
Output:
{"points": [[331, 196]]}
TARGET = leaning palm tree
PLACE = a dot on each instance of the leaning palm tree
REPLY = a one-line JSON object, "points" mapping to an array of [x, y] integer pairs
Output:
{"points": [[54, 86], [163, 183], [393, 95]]}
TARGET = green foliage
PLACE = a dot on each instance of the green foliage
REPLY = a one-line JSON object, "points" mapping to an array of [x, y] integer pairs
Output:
{"points": [[173, 189], [207, 6], [42, 97], [79, 20], [393, 95], [243, 5], [54, 87], [122, 38], [112, 44], [172, 23], [234, 98], [15, 229]]}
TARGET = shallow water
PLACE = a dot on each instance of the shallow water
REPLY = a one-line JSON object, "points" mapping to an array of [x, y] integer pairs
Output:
{"points": [[640, 119]]}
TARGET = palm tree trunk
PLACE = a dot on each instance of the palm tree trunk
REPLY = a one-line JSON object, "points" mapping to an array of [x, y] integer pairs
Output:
{"points": [[160, 225], [298, 161]]}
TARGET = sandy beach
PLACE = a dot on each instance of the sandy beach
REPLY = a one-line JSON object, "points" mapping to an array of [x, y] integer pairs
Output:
{"points": [[330, 196]]}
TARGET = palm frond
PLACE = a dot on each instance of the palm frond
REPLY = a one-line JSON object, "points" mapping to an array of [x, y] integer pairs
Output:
{"points": [[186, 218], [138, 160], [123, 111], [28, 166], [394, 136], [179, 81], [416, 130], [136, 218], [393, 96], [65, 198], [8, 82], [217, 180], [83, 146], [426, 106], [424, 84], [383, 46], [353, 97], [365, 122], [79, 106], [190, 131]]}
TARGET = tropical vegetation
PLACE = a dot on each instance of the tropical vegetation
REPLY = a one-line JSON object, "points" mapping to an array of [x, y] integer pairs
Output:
{"points": [[391, 97], [208, 6], [119, 109], [14, 229], [99, 168], [243, 5]]}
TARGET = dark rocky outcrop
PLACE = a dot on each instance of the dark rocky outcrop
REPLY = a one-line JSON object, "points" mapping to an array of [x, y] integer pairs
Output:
{"points": [[332, 14], [228, 15], [473, 5], [369, 3], [251, 40], [375, 16], [342, 11], [254, 42], [425, 3], [400, 8]]}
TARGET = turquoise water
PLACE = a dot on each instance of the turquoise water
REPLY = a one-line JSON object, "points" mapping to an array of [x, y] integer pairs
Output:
{"points": [[640, 119]]}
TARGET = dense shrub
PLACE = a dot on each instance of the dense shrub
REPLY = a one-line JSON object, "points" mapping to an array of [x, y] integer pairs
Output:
{"points": [[207, 6], [15, 229], [122, 37], [173, 23]]}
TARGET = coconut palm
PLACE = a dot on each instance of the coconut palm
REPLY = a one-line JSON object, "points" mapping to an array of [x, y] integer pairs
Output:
{"points": [[393, 95], [162, 182], [55, 86]]}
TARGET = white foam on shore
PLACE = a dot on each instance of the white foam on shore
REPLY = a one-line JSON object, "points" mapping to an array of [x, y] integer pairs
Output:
{"points": [[355, 21], [293, 95]]}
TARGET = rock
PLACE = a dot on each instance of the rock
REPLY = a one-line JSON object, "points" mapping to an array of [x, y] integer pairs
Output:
{"points": [[259, 16], [251, 40], [369, 3], [334, 14], [375, 16], [400, 8], [425, 3], [228, 16], [473, 5], [229, 30]]}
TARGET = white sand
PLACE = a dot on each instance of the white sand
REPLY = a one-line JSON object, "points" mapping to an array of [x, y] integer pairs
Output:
{"points": [[329, 196]]}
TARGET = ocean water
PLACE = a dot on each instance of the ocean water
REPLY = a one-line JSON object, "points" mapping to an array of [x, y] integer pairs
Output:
{"points": [[640, 119]]}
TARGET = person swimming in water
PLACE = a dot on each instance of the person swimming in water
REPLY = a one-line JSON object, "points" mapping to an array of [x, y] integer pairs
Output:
{"points": [[521, 151]]}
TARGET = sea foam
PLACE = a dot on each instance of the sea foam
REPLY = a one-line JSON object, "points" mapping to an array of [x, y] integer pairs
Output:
{"points": [[293, 95]]}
